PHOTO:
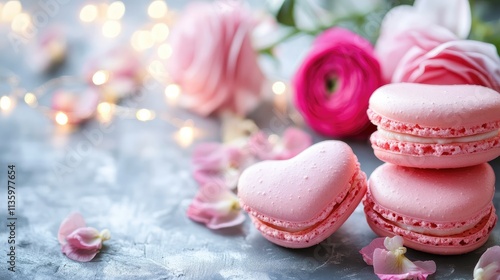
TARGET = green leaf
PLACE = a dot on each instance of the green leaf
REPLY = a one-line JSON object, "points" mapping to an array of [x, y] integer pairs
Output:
{"points": [[285, 14]]}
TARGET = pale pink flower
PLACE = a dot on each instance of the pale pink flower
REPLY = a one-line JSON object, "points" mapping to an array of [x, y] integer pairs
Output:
{"points": [[213, 59], [216, 206], [488, 266], [389, 262], [266, 147], [216, 163], [79, 242]]}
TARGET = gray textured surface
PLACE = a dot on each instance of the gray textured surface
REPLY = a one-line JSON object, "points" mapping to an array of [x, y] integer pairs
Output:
{"points": [[135, 180]]}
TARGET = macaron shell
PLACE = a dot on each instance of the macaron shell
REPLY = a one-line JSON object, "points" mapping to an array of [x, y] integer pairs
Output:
{"points": [[436, 106], [299, 189], [421, 155], [433, 244], [433, 200], [322, 230], [433, 195]]}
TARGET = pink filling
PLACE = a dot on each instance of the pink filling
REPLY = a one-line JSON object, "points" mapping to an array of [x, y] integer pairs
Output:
{"points": [[422, 149], [359, 183], [484, 223], [415, 129]]}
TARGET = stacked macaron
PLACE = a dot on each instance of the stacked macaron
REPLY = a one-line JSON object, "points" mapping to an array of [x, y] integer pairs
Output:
{"points": [[435, 189]]}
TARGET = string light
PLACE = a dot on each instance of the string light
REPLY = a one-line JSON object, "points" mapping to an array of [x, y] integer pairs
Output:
{"points": [[100, 77], [88, 13], [21, 22], [145, 115], [164, 51], [30, 99], [10, 10], [279, 88], [111, 28], [157, 9], [105, 111], [116, 10], [5, 103], [160, 32], [172, 91], [185, 135], [61, 118]]}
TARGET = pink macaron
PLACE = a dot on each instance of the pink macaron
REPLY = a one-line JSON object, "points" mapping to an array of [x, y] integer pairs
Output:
{"points": [[447, 211], [299, 202], [435, 126]]}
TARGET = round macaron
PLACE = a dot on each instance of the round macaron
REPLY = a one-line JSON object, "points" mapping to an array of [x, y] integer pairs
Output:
{"points": [[299, 202], [447, 211], [435, 126]]}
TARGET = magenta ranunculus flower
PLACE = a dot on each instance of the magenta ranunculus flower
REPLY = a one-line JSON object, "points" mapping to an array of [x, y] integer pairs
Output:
{"points": [[335, 81], [213, 60]]}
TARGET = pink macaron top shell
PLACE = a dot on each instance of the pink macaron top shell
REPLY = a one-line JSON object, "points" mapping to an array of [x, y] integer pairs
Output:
{"points": [[296, 192], [441, 196], [435, 110]]}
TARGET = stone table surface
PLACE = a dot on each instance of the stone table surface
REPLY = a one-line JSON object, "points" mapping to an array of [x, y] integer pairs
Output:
{"points": [[134, 179]]}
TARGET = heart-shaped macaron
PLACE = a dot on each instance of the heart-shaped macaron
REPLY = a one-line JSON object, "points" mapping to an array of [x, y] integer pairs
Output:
{"points": [[299, 202]]}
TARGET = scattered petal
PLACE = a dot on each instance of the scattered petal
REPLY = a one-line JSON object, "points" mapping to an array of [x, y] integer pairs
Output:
{"points": [[79, 242], [488, 266], [216, 207], [291, 144], [389, 262], [73, 222]]}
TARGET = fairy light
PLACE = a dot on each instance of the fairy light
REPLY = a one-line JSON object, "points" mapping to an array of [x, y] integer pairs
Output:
{"points": [[100, 77], [5, 103], [172, 91], [157, 9], [160, 32], [279, 88], [164, 51], [116, 10], [142, 40], [111, 28], [185, 135], [21, 22], [61, 118], [88, 13], [10, 10], [30, 99], [105, 111], [144, 115]]}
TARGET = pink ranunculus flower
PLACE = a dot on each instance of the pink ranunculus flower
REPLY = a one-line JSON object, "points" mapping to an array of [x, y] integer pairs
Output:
{"points": [[79, 242], [453, 62], [216, 163], [389, 262], [488, 266], [335, 81], [291, 144], [213, 60], [216, 206]]}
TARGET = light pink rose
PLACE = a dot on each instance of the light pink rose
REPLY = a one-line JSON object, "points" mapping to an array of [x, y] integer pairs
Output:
{"points": [[213, 59], [425, 25], [454, 62], [335, 81]]}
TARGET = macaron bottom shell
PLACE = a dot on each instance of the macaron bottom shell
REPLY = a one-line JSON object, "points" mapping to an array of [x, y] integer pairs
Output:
{"points": [[422, 155], [321, 230], [455, 244]]}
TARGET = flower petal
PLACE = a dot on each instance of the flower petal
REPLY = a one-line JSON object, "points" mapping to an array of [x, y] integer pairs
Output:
{"points": [[216, 207], [488, 266], [86, 238], [295, 141], [71, 223], [388, 265], [367, 252], [454, 15], [77, 254], [393, 243]]}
